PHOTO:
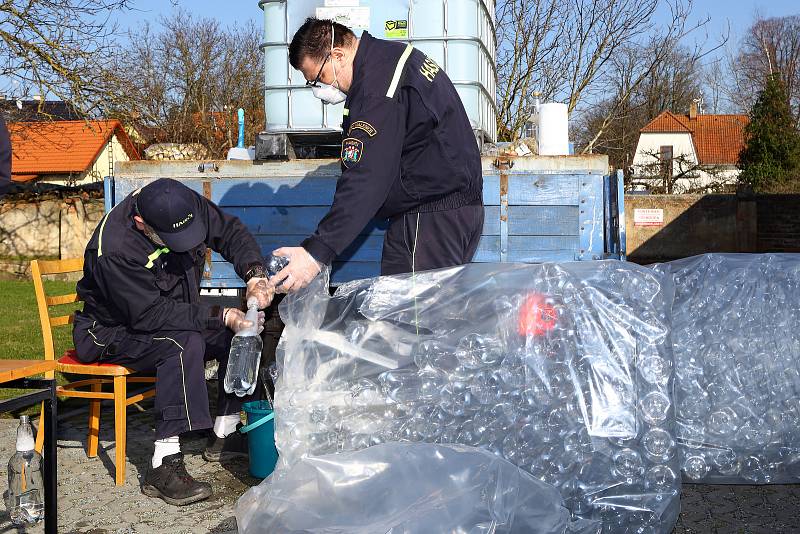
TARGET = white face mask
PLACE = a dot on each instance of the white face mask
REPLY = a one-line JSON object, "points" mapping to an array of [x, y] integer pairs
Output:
{"points": [[328, 93]]}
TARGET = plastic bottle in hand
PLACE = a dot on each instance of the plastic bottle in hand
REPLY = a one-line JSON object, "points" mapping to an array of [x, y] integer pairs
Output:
{"points": [[275, 264], [25, 497], [245, 356]]}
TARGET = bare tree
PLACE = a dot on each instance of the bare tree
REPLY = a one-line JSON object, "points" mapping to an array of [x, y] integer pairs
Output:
{"points": [[529, 58], [715, 88], [57, 49], [681, 174], [184, 80], [638, 92], [770, 46], [569, 51]]}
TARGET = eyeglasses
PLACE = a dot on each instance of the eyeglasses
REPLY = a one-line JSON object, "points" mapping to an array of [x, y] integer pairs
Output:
{"points": [[315, 81]]}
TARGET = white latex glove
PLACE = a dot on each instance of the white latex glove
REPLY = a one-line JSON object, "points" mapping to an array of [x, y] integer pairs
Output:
{"points": [[262, 290], [299, 273], [234, 319]]}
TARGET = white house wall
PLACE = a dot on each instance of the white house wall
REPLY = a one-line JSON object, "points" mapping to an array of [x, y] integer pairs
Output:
{"points": [[99, 169], [648, 151]]}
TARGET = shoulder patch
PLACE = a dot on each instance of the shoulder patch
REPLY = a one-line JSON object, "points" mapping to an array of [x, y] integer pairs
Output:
{"points": [[362, 125], [352, 150], [429, 69]]}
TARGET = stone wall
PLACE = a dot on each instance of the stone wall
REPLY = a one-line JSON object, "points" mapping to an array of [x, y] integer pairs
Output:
{"points": [[692, 224], [176, 152], [52, 228], [696, 224], [778, 223], [30, 229], [78, 221]]}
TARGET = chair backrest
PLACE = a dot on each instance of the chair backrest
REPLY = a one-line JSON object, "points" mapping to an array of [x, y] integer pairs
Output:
{"points": [[40, 268]]}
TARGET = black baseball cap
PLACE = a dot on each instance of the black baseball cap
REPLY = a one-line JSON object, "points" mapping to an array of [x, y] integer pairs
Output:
{"points": [[174, 212]]}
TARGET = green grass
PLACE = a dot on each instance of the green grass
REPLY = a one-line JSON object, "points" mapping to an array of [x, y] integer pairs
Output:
{"points": [[26, 258], [20, 330]]}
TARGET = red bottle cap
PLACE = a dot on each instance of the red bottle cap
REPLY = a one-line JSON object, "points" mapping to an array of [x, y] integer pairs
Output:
{"points": [[536, 316]]}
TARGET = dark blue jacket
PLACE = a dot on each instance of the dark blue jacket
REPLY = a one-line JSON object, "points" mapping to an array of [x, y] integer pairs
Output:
{"points": [[129, 281], [407, 145], [5, 157]]}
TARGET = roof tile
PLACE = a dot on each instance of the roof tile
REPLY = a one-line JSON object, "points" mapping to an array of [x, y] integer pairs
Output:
{"points": [[61, 147], [666, 122], [718, 139]]}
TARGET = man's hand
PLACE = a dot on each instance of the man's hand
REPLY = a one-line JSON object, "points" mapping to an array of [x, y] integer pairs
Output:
{"points": [[299, 273], [260, 289], [234, 319]]}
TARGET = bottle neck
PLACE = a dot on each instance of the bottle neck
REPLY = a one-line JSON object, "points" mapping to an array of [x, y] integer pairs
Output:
{"points": [[252, 316], [25, 441]]}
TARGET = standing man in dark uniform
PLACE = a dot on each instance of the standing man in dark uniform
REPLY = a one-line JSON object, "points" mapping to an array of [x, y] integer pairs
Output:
{"points": [[408, 154], [142, 309], [5, 158]]}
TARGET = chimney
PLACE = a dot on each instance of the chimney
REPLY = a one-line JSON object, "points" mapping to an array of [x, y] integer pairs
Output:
{"points": [[693, 111]]}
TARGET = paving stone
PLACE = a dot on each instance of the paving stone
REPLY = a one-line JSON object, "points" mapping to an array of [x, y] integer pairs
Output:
{"points": [[90, 503]]}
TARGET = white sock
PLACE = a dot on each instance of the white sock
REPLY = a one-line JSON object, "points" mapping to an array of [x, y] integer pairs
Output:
{"points": [[165, 447], [225, 424]]}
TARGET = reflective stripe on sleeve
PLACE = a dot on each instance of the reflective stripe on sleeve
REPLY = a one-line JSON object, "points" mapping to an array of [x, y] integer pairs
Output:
{"points": [[398, 71]]}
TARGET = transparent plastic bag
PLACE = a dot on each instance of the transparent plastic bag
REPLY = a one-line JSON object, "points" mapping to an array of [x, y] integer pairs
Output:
{"points": [[563, 369], [406, 488], [736, 341]]}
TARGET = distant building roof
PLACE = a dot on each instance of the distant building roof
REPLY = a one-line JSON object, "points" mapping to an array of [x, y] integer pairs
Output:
{"points": [[30, 112], [718, 139], [61, 147]]}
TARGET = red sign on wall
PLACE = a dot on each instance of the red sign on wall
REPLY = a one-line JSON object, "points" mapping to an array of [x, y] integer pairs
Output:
{"points": [[648, 217]]}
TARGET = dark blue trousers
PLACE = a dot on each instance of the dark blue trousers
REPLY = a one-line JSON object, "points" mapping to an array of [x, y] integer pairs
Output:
{"points": [[177, 358], [443, 239]]}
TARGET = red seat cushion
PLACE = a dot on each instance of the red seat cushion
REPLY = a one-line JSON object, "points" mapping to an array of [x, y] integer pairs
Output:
{"points": [[70, 357]]}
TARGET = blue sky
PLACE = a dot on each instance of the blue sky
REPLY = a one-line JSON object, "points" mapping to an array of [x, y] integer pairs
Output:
{"points": [[235, 11], [738, 12], [731, 17]]}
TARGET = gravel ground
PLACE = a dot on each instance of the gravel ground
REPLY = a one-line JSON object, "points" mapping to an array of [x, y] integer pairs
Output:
{"points": [[90, 503]]}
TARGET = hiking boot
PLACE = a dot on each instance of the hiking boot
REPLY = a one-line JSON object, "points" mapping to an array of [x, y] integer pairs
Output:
{"points": [[172, 483], [234, 445]]}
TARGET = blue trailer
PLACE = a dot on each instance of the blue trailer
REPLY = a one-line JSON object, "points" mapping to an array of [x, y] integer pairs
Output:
{"points": [[538, 209]]}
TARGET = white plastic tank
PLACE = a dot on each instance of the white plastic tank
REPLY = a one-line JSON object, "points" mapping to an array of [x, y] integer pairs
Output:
{"points": [[458, 34], [553, 129]]}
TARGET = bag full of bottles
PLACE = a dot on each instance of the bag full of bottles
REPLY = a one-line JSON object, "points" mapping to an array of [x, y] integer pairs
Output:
{"points": [[413, 488], [736, 341], [565, 370]]}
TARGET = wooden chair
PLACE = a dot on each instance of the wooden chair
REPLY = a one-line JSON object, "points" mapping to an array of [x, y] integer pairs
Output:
{"points": [[100, 373]]}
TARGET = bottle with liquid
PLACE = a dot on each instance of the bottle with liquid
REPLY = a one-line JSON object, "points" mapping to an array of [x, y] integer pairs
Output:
{"points": [[275, 264], [25, 497], [245, 356]]}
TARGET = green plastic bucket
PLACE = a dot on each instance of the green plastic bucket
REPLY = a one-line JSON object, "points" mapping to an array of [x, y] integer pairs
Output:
{"points": [[260, 430]]}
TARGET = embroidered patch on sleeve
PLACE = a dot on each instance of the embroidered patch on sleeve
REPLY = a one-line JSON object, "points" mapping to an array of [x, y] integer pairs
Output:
{"points": [[362, 125], [429, 69], [352, 149]]}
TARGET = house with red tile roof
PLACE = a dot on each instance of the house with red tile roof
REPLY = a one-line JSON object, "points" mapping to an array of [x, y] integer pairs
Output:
{"points": [[694, 153], [68, 152]]}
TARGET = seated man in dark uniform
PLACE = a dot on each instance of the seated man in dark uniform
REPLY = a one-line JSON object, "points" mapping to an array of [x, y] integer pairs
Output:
{"points": [[141, 289]]}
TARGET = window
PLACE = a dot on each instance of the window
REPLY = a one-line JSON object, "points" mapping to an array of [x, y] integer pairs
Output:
{"points": [[665, 156]]}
